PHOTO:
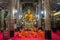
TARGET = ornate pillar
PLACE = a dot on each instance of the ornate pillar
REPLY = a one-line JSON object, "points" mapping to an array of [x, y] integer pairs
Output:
{"points": [[2, 19], [47, 19], [18, 14], [13, 10], [2, 16], [39, 14]]}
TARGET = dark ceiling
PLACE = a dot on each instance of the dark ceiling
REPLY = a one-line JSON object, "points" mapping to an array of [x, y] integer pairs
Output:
{"points": [[54, 5], [3, 3]]}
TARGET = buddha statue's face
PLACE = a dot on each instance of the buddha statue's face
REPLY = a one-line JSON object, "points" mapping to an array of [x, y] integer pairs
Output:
{"points": [[29, 11]]}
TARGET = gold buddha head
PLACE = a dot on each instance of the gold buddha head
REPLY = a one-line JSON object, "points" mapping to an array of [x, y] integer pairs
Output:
{"points": [[28, 11]]}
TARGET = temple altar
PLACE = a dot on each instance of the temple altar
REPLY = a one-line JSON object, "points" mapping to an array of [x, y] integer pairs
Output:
{"points": [[29, 19]]}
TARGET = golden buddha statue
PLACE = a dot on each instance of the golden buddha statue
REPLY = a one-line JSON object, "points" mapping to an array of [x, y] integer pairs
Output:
{"points": [[29, 19], [29, 16]]}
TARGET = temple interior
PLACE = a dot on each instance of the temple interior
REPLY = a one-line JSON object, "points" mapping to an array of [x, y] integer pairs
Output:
{"points": [[29, 19]]}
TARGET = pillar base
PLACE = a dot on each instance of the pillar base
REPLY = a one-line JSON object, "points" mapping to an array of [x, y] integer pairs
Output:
{"points": [[11, 33], [58, 28], [47, 34], [1, 30], [54, 29]]}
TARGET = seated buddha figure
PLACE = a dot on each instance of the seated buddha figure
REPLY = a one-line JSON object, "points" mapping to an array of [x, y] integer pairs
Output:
{"points": [[29, 19], [29, 16]]}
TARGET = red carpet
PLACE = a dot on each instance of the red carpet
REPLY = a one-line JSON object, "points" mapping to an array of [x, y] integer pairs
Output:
{"points": [[1, 37], [55, 36]]}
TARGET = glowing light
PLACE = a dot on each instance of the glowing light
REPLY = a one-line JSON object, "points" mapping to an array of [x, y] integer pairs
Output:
{"points": [[37, 15], [20, 16], [54, 11], [14, 11], [57, 13], [58, 3], [42, 12]]}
